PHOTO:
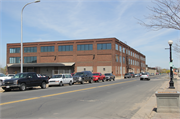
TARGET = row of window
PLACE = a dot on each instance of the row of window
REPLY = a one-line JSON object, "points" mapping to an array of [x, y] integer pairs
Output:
{"points": [[122, 49], [13, 60], [104, 46], [130, 61]]}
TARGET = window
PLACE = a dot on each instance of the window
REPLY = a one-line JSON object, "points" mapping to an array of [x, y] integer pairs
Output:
{"points": [[47, 49], [124, 60], [65, 48], [116, 58], [13, 60], [123, 50], [84, 69], [30, 59], [116, 46], [30, 49], [120, 48], [120, 59], [105, 46], [85, 47], [14, 50], [129, 61], [104, 69]]}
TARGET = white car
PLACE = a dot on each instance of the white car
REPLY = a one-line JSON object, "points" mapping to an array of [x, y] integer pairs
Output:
{"points": [[61, 79], [3, 77], [145, 76], [11, 75]]}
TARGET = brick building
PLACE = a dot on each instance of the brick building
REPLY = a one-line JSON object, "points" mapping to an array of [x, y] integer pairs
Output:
{"points": [[103, 55]]}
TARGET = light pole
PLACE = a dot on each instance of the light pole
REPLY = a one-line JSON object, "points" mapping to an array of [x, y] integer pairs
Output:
{"points": [[22, 33], [171, 83], [121, 62]]}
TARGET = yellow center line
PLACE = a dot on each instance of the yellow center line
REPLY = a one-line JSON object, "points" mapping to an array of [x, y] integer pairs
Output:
{"points": [[62, 93]]}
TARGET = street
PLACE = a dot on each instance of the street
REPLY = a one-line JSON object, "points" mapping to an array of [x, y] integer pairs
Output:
{"points": [[111, 100]]}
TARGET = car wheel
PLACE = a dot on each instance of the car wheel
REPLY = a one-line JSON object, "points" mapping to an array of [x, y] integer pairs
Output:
{"points": [[43, 85], [124, 77], [70, 83], [22, 87], [113, 79], [91, 81], [109, 79], [103, 80], [82, 82], [60, 84], [0, 82], [141, 79]]}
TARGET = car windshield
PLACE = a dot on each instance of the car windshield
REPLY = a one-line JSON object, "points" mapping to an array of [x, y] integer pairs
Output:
{"points": [[127, 74], [144, 73], [2, 75], [56, 76], [20, 76], [107, 74], [95, 74], [79, 74]]}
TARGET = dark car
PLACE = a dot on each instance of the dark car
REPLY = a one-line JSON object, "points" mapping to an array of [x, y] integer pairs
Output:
{"points": [[23, 80], [109, 76], [132, 74], [84, 76], [127, 75]]}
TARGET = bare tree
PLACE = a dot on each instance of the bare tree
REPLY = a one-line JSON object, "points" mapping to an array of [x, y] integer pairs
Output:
{"points": [[165, 15]]}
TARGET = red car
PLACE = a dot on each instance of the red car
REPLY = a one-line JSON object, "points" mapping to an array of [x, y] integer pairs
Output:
{"points": [[98, 77]]}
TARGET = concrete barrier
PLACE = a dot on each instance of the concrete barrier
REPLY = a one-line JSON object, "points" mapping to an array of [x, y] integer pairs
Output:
{"points": [[167, 102]]}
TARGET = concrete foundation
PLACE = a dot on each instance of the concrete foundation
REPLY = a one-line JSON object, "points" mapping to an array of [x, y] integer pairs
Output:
{"points": [[167, 102]]}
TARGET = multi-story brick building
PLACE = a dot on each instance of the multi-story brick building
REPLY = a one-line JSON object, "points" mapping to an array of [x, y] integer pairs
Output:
{"points": [[97, 55]]}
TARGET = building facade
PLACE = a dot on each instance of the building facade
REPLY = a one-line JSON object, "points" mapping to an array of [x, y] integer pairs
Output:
{"points": [[105, 55]]}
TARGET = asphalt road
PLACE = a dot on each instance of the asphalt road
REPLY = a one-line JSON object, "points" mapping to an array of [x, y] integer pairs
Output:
{"points": [[104, 100]]}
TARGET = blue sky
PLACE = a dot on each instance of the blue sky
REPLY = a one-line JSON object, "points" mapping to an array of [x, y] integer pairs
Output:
{"points": [[56, 20]]}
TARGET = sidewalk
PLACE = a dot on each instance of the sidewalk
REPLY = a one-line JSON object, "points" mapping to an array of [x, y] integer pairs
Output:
{"points": [[148, 111]]}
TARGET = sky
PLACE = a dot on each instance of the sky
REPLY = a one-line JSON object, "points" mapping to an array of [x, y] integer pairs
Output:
{"points": [[56, 20]]}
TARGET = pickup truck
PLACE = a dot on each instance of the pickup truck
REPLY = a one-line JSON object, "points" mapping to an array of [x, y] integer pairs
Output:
{"points": [[23, 80]]}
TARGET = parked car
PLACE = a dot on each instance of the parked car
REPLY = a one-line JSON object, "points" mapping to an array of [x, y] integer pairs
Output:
{"points": [[109, 76], [3, 77], [145, 76], [97, 77], [10, 75], [132, 74], [23, 80], [72, 74], [137, 75], [61, 79], [127, 75], [39, 75], [84, 76]]}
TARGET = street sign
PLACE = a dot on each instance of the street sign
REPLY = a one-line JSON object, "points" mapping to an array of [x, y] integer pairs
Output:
{"points": [[170, 64]]}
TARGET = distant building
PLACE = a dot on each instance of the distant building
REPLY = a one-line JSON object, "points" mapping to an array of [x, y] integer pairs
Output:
{"points": [[151, 70], [103, 55]]}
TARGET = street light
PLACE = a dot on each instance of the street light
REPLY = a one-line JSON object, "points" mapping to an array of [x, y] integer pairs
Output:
{"points": [[171, 83], [22, 33]]}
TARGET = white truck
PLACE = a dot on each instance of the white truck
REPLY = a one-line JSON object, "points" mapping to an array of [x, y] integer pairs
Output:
{"points": [[3, 77], [61, 79]]}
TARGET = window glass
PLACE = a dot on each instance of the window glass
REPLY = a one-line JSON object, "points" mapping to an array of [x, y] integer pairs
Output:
{"points": [[116, 46], [120, 48], [85, 47], [47, 48], [32, 59], [13, 60], [123, 59], [104, 46], [14, 50]]}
